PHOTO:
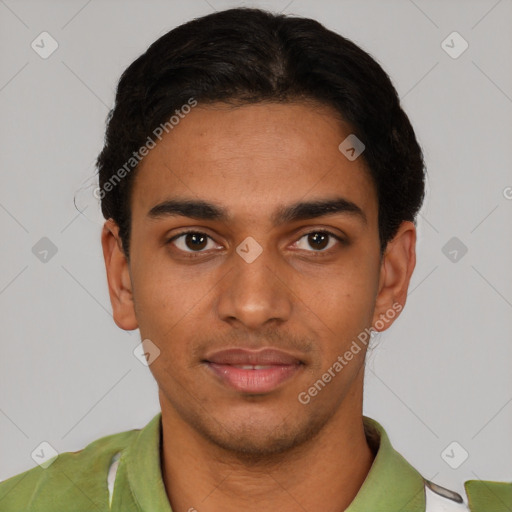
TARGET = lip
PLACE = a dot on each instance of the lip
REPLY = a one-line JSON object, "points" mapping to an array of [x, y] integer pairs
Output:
{"points": [[242, 356], [270, 368]]}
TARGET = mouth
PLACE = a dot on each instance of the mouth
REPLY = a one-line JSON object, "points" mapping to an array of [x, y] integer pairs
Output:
{"points": [[254, 372]]}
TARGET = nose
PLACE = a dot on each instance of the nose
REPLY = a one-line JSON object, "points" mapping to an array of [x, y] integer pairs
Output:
{"points": [[255, 294]]}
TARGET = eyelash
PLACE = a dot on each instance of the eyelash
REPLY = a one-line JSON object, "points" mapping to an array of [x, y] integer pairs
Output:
{"points": [[194, 254]]}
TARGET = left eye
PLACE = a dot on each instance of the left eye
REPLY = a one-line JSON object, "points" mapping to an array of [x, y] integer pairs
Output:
{"points": [[319, 240]]}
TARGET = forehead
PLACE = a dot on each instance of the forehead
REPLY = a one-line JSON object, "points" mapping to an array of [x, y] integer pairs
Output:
{"points": [[250, 157]]}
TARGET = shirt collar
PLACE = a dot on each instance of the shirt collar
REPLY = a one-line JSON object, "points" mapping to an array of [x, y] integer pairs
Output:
{"points": [[392, 484], [144, 469]]}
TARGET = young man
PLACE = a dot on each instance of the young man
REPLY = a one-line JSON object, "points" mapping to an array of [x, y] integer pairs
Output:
{"points": [[260, 184]]}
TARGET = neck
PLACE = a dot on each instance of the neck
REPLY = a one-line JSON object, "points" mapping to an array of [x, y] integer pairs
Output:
{"points": [[325, 473]]}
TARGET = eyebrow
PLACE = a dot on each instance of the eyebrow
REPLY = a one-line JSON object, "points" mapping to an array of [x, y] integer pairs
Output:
{"points": [[203, 210]]}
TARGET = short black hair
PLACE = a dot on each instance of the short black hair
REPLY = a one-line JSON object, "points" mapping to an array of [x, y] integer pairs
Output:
{"points": [[245, 56]]}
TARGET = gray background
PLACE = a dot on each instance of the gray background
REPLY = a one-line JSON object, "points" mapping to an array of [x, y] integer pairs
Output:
{"points": [[440, 374]]}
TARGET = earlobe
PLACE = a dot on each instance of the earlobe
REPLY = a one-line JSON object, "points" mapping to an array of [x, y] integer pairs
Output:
{"points": [[118, 277], [397, 265]]}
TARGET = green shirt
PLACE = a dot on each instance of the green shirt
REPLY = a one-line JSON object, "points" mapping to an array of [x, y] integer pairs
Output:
{"points": [[77, 481]]}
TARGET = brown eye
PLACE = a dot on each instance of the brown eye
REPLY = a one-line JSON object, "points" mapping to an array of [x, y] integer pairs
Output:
{"points": [[319, 241], [190, 241], [195, 241]]}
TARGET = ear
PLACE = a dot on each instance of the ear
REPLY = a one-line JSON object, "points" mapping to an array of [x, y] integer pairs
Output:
{"points": [[118, 277], [397, 265]]}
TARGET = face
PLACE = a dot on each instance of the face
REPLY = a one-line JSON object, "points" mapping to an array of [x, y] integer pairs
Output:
{"points": [[279, 273]]}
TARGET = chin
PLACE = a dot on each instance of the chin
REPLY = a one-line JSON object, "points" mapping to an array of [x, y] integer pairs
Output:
{"points": [[254, 440]]}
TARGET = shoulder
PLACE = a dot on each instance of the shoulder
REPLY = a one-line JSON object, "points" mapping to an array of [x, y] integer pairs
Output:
{"points": [[71, 477], [394, 472], [489, 496], [481, 496]]}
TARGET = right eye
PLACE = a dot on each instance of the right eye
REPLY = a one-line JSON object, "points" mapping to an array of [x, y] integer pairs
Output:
{"points": [[190, 241]]}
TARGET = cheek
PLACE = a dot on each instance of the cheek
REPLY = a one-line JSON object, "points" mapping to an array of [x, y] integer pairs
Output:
{"points": [[347, 296], [345, 306], [156, 297], [173, 306], [157, 286]]}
